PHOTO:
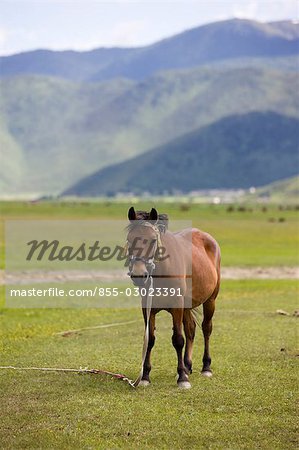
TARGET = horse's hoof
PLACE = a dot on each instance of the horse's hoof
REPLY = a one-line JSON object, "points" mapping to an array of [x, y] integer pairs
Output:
{"points": [[184, 385], [144, 383], [207, 373]]}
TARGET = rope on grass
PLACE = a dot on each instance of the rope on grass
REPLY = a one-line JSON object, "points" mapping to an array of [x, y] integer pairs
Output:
{"points": [[107, 325], [118, 376]]}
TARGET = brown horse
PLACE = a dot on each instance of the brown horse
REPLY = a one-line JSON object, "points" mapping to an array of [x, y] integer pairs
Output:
{"points": [[186, 265]]}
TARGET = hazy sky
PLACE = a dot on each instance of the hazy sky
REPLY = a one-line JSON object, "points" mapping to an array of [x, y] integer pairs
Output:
{"points": [[85, 24]]}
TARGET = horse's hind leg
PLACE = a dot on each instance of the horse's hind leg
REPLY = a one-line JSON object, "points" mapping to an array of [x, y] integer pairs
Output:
{"points": [[151, 342], [189, 328], [178, 343], [208, 312]]}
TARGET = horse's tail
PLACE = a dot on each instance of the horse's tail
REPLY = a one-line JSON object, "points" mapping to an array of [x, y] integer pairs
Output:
{"points": [[196, 314]]}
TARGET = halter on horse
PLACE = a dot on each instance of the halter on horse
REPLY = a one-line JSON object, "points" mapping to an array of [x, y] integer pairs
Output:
{"points": [[156, 248]]}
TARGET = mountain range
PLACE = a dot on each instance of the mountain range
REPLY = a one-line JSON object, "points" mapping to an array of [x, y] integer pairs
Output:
{"points": [[216, 42], [67, 115], [235, 152]]}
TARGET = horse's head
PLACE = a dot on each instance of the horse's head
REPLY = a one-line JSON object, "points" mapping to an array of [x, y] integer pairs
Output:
{"points": [[142, 245]]}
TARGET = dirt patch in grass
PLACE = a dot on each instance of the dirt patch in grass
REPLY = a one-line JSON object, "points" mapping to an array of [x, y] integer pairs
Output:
{"points": [[228, 273], [260, 273]]}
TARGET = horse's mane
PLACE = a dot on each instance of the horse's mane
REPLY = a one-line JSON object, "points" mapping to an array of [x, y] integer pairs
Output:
{"points": [[144, 216]]}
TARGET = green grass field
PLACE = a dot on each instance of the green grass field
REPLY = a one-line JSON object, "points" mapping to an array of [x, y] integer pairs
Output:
{"points": [[251, 238], [250, 401]]}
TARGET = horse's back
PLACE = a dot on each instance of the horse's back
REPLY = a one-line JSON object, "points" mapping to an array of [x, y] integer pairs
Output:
{"points": [[205, 264], [202, 242]]}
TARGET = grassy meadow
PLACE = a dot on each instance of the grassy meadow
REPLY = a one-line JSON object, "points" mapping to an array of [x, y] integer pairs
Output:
{"points": [[258, 236], [250, 401]]}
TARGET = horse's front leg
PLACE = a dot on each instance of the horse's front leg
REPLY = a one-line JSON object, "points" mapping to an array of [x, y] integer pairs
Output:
{"points": [[178, 343], [145, 380]]}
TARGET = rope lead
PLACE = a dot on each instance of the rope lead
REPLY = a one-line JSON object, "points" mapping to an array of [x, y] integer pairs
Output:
{"points": [[118, 376]]}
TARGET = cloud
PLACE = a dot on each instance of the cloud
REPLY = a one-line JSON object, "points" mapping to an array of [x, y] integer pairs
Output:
{"points": [[10, 39], [3, 37], [246, 11], [121, 34], [126, 33], [266, 9]]}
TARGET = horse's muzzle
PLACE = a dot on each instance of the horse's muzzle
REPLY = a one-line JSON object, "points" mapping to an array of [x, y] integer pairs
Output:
{"points": [[139, 280]]}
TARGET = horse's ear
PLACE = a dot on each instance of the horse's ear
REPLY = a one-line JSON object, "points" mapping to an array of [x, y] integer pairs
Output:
{"points": [[153, 215], [132, 214]]}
